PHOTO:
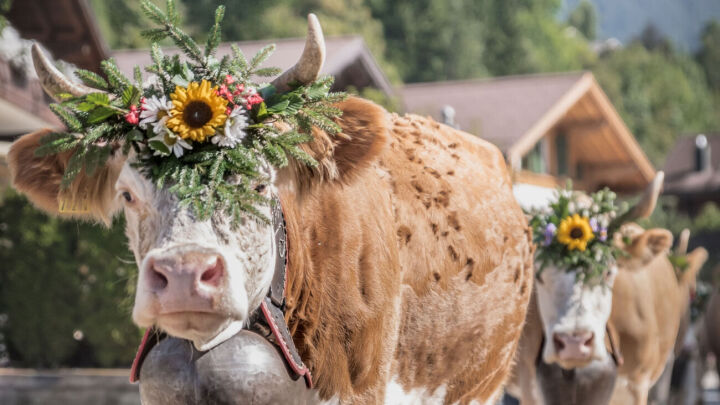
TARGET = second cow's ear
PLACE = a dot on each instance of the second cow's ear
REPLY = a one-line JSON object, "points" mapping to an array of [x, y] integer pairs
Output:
{"points": [[39, 178], [646, 246]]}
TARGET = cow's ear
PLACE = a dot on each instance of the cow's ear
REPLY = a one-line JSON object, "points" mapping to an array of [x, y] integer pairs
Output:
{"points": [[649, 244], [39, 178], [363, 135]]}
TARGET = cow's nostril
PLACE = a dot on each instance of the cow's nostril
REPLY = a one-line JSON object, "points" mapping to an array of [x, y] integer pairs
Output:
{"points": [[156, 279], [558, 342], [213, 275], [589, 341]]}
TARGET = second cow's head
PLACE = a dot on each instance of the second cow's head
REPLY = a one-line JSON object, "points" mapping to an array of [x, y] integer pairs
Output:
{"points": [[198, 279], [574, 312]]}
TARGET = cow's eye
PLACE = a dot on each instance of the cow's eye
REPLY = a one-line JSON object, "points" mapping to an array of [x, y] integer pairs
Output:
{"points": [[127, 196], [260, 188]]}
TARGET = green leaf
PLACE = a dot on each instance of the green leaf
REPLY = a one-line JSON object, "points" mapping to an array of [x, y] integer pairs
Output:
{"points": [[100, 114], [261, 113], [180, 81], [135, 135], [159, 146], [278, 108], [131, 96]]}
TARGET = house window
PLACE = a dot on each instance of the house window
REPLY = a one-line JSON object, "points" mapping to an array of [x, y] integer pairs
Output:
{"points": [[561, 151], [534, 160]]}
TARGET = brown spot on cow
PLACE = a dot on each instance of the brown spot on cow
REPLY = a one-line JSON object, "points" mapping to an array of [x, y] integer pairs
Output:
{"points": [[404, 234], [453, 254], [453, 221]]}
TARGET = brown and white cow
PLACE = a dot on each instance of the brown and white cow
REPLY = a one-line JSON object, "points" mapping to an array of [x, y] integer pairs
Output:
{"points": [[410, 263], [641, 304]]}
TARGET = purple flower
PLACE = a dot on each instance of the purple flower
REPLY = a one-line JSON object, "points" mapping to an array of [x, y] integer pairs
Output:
{"points": [[549, 233], [603, 234], [594, 225]]}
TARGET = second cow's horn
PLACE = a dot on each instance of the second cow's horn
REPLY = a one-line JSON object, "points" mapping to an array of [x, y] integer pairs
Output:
{"points": [[644, 207], [52, 80], [307, 69]]}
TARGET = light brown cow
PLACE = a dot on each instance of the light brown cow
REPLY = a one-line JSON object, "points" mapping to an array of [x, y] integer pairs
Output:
{"points": [[648, 304], [410, 263], [648, 300]]}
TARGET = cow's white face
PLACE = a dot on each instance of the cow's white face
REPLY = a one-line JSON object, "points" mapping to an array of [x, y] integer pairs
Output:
{"points": [[574, 316], [197, 280]]}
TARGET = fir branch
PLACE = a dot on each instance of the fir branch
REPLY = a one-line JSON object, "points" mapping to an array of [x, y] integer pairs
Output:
{"points": [[259, 58], [91, 79], [67, 117], [118, 81], [214, 39]]}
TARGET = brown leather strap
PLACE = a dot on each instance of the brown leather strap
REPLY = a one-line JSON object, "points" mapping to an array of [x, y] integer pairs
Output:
{"points": [[151, 338], [614, 348]]}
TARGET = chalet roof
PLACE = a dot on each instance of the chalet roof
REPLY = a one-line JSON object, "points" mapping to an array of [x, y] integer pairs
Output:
{"points": [[344, 55], [680, 174], [501, 110], [516, 112]]}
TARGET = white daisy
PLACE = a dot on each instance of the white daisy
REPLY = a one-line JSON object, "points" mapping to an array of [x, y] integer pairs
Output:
{"points": [[176, 144], [156, 112], [234, 131]]}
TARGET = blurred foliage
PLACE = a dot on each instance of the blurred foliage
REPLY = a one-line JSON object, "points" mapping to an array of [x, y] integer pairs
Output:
{"points": [[4, 8], [660, 95], [66, 288], [584, 19], [709, 54]]}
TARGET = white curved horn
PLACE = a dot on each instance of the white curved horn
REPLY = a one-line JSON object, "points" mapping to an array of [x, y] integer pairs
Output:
{"points": [[307, 69], [644, 207], [53, 82]]}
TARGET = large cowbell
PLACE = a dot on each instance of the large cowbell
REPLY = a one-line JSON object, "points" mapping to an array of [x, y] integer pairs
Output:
{"points": [[246, 369]]}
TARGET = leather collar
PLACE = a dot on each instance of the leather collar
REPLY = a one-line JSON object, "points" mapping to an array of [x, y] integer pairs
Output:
{"points": [[270, 315]]}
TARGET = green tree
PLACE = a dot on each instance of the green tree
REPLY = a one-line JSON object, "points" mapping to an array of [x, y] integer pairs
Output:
{"points": [[432, 40], [551, 46], [120, 23], [709, 54], [660, 96], [584, 19], [63, 281]]}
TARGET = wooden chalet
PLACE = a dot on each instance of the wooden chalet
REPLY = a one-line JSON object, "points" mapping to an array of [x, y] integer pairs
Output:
{"points": [[550, 127]]}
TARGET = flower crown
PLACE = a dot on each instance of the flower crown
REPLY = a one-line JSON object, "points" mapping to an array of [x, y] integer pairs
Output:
{"points": [[200, 126], [574, 233]]}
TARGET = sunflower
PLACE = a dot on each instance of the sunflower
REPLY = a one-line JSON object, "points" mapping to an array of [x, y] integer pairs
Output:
{"points": [[197, 111], [575, 232]]}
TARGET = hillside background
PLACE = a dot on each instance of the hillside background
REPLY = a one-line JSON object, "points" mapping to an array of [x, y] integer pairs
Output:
{"points": [[680, 20]]}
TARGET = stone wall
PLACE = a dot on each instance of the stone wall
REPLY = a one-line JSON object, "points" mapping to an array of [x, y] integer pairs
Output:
{"points": [[70, 386]]}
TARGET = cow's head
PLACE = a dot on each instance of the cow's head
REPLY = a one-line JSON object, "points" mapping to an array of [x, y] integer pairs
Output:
{"points": [[575, 312], [198, 279]]}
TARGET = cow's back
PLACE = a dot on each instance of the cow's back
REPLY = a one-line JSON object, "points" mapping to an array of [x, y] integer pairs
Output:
{"points": [[465, 253]]}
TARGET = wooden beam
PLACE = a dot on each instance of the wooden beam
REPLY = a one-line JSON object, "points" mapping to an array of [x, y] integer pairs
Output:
{"points": [[585, 125], [555, 114]]}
